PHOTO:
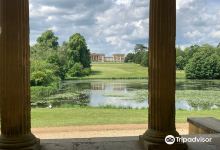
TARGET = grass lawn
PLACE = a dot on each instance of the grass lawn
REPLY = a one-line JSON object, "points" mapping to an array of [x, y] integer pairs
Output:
{"points": [[180, 74], [97, 116], [121, 71], [118, 70]]}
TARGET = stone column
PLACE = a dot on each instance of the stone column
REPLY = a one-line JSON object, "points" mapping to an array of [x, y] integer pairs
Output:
{"points": [[14, 77], [162, 76]]}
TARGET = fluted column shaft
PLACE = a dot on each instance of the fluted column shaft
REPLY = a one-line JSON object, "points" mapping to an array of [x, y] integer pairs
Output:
{"points": [[14, 75], [162, 65], [162, 74]]}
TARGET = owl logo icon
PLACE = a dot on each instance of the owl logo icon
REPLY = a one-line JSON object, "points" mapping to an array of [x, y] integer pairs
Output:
{"points": [[170, 139]]}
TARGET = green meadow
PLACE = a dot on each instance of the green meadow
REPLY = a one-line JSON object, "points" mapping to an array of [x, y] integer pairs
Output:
{"points": [[44, 117], [198, 93], [122, 71]]}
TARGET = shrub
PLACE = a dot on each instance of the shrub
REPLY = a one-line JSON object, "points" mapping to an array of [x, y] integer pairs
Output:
{"points": [[205, 64], [41, 92], [76, 70], [43, 74], [86, 71]]}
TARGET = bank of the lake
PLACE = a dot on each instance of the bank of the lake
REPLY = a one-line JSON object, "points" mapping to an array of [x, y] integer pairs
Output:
{"points": [[190, 94], [100, 71], [56, 117], [121, 71]]}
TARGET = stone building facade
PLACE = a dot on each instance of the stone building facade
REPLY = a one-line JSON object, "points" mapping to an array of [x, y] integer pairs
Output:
{"points": [[97, 57], [102, 58], [119, 57]]}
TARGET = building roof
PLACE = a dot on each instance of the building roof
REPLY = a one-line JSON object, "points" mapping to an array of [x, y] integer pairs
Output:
{"points": [[118, 54], [98, 54], [101, 54]]}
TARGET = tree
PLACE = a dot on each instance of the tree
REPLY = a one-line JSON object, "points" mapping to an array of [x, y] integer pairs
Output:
{"points": [[180, 63], [179, 52], [47, 49], [129, 58], [77, 51], [140, 55], [48, 40], [140, 51], [139, 47], [58, 59], [189, 51], [205, 64], [144, 61]]}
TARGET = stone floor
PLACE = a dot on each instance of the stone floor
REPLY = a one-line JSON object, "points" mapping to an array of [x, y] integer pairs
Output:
{"points": [[118, 143]]}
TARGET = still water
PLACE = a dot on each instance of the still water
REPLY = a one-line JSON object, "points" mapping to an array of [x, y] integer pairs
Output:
{"points": [[190, 94]]}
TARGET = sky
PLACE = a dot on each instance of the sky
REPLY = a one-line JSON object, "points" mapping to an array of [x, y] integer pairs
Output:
{"points": [[115, 26]]}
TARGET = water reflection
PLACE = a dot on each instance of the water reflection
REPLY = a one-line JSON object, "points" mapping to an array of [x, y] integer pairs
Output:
{"points": [[198, 84], [108, 86], [134, 94]]}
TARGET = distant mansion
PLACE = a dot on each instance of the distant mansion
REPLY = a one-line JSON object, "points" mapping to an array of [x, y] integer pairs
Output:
{"points": [[102, 58]]}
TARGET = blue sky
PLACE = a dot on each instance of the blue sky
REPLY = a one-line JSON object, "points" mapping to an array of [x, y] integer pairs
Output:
{"points": [[115, 26]]}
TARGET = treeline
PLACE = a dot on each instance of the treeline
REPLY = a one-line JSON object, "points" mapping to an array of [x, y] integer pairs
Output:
{"points": [[139, 56], [198, 61], [51, 62]]}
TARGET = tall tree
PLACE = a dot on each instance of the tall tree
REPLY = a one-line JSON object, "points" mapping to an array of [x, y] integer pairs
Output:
{"points": [[78, 51], [47, 49], [140, 55], [48, 40], [139, 47]]}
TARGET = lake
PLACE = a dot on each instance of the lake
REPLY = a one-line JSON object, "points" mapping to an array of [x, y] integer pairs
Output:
{"points": [[190, 94]]}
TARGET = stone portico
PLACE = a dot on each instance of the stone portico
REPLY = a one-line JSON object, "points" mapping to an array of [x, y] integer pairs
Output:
{"points": [[15, 88]]}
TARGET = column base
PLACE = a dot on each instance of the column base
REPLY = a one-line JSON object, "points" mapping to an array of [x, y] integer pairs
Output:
{"points": [[153, 140], [25, 142], [155, 136]]}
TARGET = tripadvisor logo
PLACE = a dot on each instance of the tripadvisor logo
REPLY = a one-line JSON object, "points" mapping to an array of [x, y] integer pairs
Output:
{"points": [[170, 139]]}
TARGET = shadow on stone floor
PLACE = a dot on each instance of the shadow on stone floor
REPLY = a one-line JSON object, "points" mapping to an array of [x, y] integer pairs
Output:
{"points": [[114, 143], [119, 143]]}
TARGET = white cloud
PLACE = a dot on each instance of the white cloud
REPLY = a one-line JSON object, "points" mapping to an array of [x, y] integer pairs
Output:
{"points": [[111, 26], [215, 34], [49, 10], [197, 22], [54, 28], [124, 2], [183, 3], [193, 34]]}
